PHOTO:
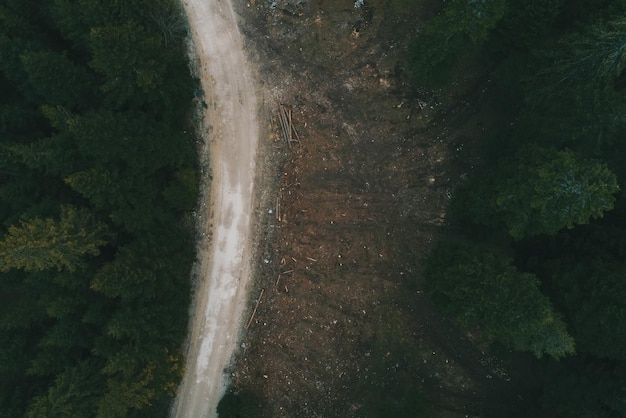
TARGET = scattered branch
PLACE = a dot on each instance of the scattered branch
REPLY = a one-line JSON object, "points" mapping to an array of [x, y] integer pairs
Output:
{"points": [[255, 308]]}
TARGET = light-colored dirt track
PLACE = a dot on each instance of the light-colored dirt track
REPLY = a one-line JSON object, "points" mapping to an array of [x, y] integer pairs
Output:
{"points": [[225, 263]]}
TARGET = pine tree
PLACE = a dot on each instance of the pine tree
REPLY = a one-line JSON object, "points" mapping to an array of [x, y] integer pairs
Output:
{"points": [[478, 286], [62, 244], [73, 394], [125, 55], [126, 394], [584, 387], [574, 94], [58, 80], [592, 295], [463, 26], [551, 190], [539, 191]]}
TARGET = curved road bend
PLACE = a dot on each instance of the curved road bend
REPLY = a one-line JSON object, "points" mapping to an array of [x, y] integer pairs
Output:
{"points": [[226, 266]]}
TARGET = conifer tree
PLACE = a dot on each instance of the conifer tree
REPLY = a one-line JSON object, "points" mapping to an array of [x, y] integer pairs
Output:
{"points": [[62, 244], [481, 287], [539, 191]]}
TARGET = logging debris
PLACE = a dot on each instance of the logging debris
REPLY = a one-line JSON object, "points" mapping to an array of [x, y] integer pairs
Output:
{"points": [[288, 130]]}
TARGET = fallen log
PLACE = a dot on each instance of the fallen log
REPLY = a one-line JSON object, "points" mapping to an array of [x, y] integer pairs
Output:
{"points": [[255, 308]]}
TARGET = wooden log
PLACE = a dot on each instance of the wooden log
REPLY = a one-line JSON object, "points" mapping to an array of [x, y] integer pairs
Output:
{"points": [[281, 121], [255, 308], [287, 128], [284, 123], [290, 124], [297, 136]]}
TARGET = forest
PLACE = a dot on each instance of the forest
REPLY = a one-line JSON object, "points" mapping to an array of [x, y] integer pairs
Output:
{"points": [[98, 180], [534, 253], [99, 177]]}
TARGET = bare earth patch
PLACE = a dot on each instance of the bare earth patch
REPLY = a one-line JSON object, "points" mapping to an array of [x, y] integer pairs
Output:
{"points": [[343, 317]]}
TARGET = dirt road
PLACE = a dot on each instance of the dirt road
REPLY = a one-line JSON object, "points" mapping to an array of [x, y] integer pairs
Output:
{"points": [[225, 262]]}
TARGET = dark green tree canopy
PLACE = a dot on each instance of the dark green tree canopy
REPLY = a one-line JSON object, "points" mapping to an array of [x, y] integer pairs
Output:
{"points": [[97, 179], [481, 287], [540, 191], [574, 92], [548, 195], [592, 295], [464, 25], [41, 244], [584, 388]]}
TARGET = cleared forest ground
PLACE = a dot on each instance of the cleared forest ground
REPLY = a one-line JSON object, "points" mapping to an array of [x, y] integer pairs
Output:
{"points": [[343, 326]]}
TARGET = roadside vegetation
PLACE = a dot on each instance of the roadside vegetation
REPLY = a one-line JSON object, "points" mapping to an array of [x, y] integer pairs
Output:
{"points": [[97, 182], [536, 262]]}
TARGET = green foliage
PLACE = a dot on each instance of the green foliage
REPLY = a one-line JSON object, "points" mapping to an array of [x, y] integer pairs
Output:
{"points": [[20, 309], [239, 405], [524, 23], [126, 394], [540, 191], [584, 388], [182, 192], [40, 244], [552, 190], [574, 90], [592, 295], [57, 80], [399, 6], [96, 176], [72, 395], [124, 54], [561, 84], [477, 286], [128, 275], [595, 55], [464, 25]]}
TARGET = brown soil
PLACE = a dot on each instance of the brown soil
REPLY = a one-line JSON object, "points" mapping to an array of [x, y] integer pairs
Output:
{"points": [[362, 197]]}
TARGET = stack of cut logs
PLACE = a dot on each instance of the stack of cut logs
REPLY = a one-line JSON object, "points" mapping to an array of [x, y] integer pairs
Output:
{"points": [[289, 132]]}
